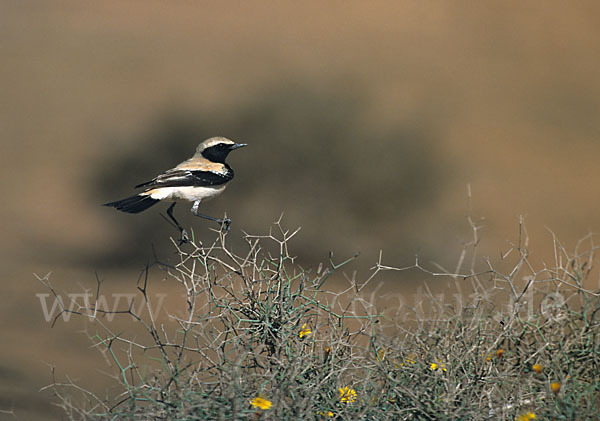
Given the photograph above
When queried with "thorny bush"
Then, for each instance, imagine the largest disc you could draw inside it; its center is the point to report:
(260, 337)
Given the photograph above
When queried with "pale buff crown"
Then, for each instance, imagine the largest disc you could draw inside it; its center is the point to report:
(212, 142)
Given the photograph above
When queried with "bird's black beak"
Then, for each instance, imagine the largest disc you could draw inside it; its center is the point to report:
(237, 145)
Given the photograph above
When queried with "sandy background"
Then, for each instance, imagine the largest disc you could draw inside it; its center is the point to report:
(366, 121)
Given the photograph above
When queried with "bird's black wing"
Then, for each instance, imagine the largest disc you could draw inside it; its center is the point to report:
(186, 178)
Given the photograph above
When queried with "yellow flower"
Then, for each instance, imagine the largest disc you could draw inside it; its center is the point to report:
(437, 366)
(261, 403)
(526, 416)
(327, 354)
(555, 387)
(537, 368)
(347, 394)
(305, 331)
(412, 359)
(380, 354)
(328, 414)
(499, 354)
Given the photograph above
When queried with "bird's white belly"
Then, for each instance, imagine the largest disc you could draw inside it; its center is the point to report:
(188, 193)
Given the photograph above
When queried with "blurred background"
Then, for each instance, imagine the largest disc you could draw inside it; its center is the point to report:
(365, 121)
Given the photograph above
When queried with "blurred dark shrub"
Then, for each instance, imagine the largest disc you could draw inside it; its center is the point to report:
(313, 154)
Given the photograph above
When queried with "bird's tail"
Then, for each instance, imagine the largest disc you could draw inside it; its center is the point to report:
(133, 204)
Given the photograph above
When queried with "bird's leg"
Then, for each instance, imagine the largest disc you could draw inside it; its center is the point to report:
(223, 222)
(184, 235)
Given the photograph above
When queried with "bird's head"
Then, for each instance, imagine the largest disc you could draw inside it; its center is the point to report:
(216, 149)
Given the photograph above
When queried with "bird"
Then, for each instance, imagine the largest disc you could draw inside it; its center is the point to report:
(202, 177)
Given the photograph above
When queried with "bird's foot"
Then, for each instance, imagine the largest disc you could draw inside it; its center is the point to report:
(184, 237)
(225, 223)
